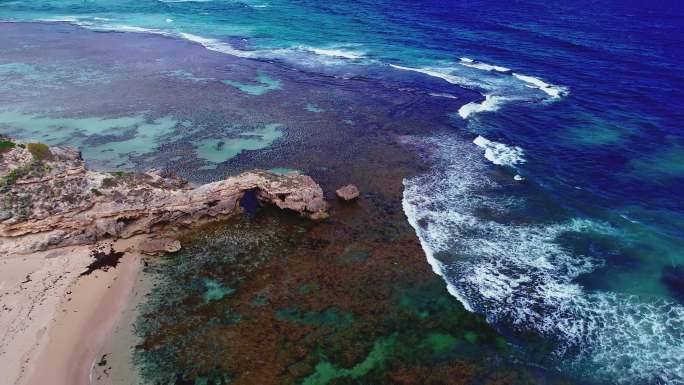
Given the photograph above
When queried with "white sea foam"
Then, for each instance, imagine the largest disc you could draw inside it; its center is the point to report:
(499, 153)
(216, 45)
(442, 95)
(437, 267)
(491, 103)
(211, 44)
(521, 277)
(208, 43)
(452, 76)
(552, 90)
(101, 24)
(126, 28)
(60, 19)
(497, 88)
(441, 73)
(498, 84)
(482, 66)
(334, 52)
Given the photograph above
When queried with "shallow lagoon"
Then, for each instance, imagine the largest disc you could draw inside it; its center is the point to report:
(218, 150)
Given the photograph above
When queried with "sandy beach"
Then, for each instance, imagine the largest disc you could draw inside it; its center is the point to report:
(56, 321)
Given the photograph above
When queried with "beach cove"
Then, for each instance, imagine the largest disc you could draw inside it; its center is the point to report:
(356, 291)
(519, 218)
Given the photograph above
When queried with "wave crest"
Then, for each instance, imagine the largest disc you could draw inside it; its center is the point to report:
(499, 153)
(523, 278)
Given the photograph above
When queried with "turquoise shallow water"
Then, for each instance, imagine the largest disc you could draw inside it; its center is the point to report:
(562, 215)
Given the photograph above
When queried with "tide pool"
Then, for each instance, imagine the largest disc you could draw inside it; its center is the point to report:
(107, 142)
(218, 150)
(262, 85)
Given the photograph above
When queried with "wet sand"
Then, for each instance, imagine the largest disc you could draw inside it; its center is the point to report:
(116, 364)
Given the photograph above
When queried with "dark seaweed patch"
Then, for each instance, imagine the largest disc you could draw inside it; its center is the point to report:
(104, 259)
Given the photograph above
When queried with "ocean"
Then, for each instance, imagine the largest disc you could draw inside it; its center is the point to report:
(552, 198)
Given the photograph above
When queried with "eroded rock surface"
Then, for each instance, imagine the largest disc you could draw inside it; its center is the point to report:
(348, 192)
(159, 246)
(52, 200)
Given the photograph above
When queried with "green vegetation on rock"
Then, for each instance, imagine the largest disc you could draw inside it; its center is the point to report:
(6, 146)
(10, 178)
(39, 151)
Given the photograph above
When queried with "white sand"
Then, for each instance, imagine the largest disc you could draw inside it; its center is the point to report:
(54, 323)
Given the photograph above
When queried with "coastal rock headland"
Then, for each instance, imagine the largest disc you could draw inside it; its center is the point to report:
(62, 226)
(51, 199)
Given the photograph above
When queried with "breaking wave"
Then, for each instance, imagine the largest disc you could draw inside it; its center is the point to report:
(499, 85)
(467, 62)
(523, 278)
(338, 52)
(552, 90)
(216, 45)
(491, 103)
(499, 153)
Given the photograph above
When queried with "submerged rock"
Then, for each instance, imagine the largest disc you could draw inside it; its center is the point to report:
(673, 278)
(348, 192)
(56, 201)
(159, 246)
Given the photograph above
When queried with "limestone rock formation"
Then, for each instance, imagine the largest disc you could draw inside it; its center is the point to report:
(348, 192)
(50, 199)
(159, 246)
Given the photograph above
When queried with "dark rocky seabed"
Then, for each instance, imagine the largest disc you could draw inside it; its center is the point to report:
(269, 298)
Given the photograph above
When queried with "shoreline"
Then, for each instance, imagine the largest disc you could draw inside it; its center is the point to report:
(57, 335)
(115, 365)
(72, 240)
(83, 323)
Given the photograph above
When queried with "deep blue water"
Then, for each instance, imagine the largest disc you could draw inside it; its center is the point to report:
(556, 208)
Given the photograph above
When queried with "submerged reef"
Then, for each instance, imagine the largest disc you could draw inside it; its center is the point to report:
(275, 299)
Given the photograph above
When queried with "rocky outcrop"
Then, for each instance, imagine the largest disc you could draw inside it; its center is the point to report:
(159, 246)
(348, 192)
(56, 201)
